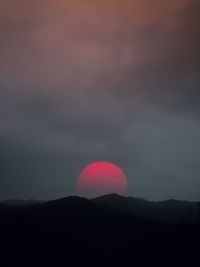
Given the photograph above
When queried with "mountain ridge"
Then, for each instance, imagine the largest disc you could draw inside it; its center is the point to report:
(167, 211)
(76, 231)
(170, 211)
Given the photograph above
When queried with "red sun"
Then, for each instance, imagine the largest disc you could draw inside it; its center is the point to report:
(101, 178)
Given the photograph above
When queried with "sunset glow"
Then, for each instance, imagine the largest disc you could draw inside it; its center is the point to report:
(101, 178)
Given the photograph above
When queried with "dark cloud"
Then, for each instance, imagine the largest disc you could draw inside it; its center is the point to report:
(99, 80)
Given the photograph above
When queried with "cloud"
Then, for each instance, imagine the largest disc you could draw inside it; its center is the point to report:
(99, 80)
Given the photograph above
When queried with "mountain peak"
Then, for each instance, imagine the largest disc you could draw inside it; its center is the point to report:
(110, 196)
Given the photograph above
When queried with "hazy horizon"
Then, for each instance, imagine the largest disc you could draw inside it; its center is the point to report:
(81, 196)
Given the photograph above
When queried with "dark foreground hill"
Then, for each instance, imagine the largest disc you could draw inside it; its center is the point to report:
(79, 232)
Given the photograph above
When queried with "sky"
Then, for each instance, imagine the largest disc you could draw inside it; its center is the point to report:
(99, 80)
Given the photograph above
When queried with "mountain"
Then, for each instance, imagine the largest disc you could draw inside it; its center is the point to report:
(6, 213)
(169, 211)
(20, 202)
(105, 231)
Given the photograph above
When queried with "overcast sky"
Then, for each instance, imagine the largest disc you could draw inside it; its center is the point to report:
(89, 80)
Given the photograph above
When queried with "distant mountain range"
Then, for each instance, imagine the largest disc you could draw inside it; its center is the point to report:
(169, 211)
(106, 231)
(20, 202)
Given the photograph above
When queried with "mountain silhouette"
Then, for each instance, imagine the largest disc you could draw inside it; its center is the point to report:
(169, 211)
(105, 231)
(20, 202)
